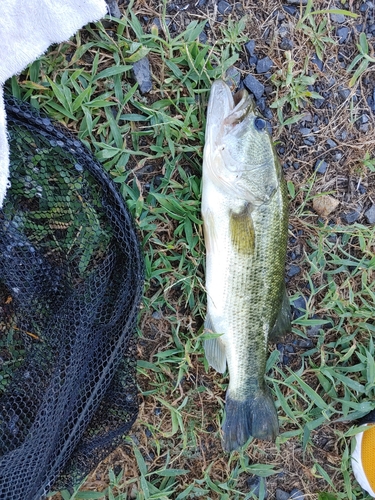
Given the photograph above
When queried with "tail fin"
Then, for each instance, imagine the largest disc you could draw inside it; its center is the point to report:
(255, 416)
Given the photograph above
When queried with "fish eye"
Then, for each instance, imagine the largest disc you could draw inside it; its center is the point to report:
(260, 124)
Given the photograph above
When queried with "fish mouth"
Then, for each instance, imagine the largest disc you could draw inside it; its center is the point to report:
(225, 110)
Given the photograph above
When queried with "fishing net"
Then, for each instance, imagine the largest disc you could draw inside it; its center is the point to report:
(71, 277)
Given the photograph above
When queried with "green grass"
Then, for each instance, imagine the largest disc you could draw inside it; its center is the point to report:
(152, 148)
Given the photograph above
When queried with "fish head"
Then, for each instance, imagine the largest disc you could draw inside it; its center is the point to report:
(239, 156)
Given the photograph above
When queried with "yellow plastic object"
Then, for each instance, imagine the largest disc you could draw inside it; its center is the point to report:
(363, 459)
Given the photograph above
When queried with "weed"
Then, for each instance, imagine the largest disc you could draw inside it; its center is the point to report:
(152, 146)
(363, 60)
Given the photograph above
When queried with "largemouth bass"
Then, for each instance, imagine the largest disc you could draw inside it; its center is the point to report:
(245, 214)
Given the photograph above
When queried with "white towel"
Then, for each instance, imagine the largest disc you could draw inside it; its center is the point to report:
(27, 29)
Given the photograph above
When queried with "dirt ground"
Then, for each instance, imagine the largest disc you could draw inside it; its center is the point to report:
(337, 131)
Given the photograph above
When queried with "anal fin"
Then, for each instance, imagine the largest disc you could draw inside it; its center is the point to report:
(283, 323)
(214, 349)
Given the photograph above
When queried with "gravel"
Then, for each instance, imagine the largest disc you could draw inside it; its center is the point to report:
(282, 495)
(293, 270)
(321, 166)
(254, 86)
(264, 65)
(250, 47)
(338, 18)
(142, 74)
(352, 216)
(342, 33)
(224, 7)
(286, 44)
(370, 215)
(296, 495)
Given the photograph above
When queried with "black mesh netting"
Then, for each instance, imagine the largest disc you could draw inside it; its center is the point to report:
(71, 277)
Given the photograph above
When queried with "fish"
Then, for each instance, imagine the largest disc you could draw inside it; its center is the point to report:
(245, 222)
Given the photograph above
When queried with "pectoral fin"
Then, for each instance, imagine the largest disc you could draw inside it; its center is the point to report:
(283, 321)
(210, 235)
(242, 232)
(214, 349)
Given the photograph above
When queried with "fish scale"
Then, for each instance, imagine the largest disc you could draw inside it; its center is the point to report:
(245, 213)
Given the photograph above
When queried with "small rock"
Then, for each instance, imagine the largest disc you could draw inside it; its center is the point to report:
(285, 350)
(203, 37)
(113, 9)
(157, 315)
(351, 217)
(315, 59)
(253, 483)
(313, 331)
(255, 87)
(224, 7)
(342, 33)
(299, 306)
(324, 205)
(297, 2)
(330, 143)
(281, 495)
(296, 495)
(289, 9)
(303, 343)
(142, 74)
(364, 118)
(321, 166)
(338, 18)
(293, 270)
(263, 65)
(305, 131)
(370, 215)
(286, 44)
(250, 47)
(232, 77)
(344, 93)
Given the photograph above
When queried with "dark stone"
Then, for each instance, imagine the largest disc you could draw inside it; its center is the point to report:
(344, 93)
(255, 87)
(293, 270)
(338, 18)
(370, 215)
(253, 60)
(351, 217)
(305, 130)
(224, 8)
(157, 411)
(281, 495)
(285, 350)
(304, 343)
(298, 307)
(362, 190)
(113, 9)
(264, 65)
(315, 59)
(286, 44)
(267, 113)
(142, 75)
(342, 33)
(330, 143)
(253, 483)
(297, 494)
(321, 166)
(289, 9)
(250, 47)
(203, 37)
(364, 118)
(232, 77)
(172, 7)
